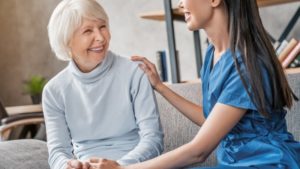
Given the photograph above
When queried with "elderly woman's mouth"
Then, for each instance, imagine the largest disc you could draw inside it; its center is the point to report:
(97, 49)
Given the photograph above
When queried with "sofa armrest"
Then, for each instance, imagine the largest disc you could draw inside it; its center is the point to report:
(5, 129)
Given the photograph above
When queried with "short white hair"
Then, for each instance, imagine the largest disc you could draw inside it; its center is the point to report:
(66, 18)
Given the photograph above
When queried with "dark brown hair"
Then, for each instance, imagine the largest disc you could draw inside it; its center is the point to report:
(248, 36)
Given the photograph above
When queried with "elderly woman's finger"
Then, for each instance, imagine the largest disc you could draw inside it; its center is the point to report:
(74, 164)
(105, 164)
(95, 166)
(85, 165)
(97, 160)
(100, 163)
(94, 160)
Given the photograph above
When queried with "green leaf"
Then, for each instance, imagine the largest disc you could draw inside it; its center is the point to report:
(34, 85)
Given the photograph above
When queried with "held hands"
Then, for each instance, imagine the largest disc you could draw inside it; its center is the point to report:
(150, 69)
(100, 163)
(76, 164)
(93, 163)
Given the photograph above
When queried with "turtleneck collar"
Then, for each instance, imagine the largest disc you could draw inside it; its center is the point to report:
(96, 73)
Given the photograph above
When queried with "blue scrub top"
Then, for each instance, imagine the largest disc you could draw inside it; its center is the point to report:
(255, 140)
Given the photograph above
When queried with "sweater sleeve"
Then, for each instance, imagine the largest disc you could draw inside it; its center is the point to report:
(58, 135)
(147, 119)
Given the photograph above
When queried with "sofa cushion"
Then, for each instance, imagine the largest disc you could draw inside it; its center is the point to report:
(25, 154)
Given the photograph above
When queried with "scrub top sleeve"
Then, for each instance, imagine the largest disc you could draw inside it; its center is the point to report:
(234, 93)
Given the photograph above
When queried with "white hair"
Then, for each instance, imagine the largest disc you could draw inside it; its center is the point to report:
(66, 18)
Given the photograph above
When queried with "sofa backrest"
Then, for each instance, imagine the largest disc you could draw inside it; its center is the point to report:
(179, 130)
(293, 115)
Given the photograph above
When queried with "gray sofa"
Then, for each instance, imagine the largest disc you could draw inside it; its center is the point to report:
(32, 154)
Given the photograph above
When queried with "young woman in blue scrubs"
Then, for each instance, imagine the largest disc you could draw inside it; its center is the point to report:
(244, 94)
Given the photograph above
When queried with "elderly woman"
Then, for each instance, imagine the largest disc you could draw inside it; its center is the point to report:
(101, 105)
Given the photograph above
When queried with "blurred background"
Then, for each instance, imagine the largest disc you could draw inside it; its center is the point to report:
(25, 50)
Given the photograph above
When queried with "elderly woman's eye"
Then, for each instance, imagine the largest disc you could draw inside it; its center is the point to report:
(87, 31)
(102, 26)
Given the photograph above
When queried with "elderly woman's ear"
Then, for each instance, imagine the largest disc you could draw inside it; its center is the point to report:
(70, 54)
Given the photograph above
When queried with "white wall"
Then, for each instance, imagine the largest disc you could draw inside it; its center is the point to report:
(24, 47)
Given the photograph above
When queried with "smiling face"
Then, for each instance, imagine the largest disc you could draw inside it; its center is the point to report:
(197, 13)
(89, 44)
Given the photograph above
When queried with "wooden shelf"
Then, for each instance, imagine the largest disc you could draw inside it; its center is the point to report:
(263, 3)
(160, 15)
(178, 14)
(292, 70)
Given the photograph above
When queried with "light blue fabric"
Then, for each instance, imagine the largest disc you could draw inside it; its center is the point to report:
(255, 141)
(110, 112)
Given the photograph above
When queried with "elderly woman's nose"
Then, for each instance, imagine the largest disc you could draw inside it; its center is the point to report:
(99, 37)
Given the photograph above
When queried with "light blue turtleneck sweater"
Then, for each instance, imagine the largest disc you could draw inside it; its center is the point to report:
(109, 112)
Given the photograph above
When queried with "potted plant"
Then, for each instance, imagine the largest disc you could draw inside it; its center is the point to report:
(34, 87)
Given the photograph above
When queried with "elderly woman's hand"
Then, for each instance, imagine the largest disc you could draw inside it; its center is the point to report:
(150, 69)
(76, 164)
(100, 163)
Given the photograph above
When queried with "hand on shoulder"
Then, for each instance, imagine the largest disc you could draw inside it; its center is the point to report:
(150, 69)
